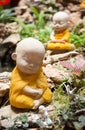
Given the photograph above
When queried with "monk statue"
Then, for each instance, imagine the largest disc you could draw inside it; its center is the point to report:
(60, 37)
(29, 88)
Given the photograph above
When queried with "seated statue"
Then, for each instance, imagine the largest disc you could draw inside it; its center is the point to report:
(60, 38)
(29, 88)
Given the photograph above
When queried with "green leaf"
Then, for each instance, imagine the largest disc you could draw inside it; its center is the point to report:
(35, 11)
(65, 116)
(82, 120)
(6, 15)
(77, 125)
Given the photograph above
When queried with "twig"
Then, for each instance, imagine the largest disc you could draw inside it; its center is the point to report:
(69, 92)
(80, 112)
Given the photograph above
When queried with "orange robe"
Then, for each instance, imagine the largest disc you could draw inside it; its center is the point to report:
(82, 5)
(65, 35)
(19, 80)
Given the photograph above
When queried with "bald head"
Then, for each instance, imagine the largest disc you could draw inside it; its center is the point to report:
(29, 55)
(30, 44)
(60, 15)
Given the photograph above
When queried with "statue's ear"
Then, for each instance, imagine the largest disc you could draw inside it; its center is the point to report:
(14, 55)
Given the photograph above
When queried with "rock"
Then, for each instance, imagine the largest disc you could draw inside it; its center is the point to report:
(72, 7)
(7, 29)
(55, 73)
(10, 116)
(51, 58)
(3, 89)
(6, 123)
(75, 17)
(22, 12)
(4, 83)
(13, 38)
(6, 49)
(7, 112)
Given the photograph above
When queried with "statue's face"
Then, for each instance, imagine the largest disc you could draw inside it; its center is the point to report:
(29, 55)
(60, 22)
(29, 62)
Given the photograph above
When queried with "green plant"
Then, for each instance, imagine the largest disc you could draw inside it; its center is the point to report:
(27, 30)
(20, 122)
(40, 18)
(39, 29)
(74, 115)
(69, 110)
(77, 38)
(6, 15)
(44, 34)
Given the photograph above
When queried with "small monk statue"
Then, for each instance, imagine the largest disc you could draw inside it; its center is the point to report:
(60, 37)
(29, 88)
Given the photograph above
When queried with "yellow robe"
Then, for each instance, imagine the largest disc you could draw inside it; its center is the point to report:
(65, 35)
(82, 5)
(19, 80)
